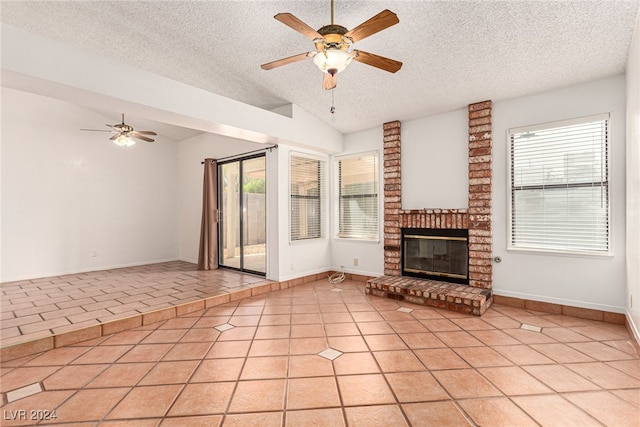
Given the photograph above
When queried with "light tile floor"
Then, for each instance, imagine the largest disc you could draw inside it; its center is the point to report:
(256, 362)
(33, 309)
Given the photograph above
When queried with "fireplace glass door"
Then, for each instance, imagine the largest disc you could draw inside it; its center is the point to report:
(436, 257)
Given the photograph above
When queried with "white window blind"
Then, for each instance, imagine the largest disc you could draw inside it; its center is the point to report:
(306, 190)
(357, 189)
(560, 186)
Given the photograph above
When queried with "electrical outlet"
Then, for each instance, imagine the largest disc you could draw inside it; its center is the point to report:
(94, 254)
(293, 266)
(355, 262)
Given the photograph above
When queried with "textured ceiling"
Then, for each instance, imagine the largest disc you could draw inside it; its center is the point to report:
(454, 52)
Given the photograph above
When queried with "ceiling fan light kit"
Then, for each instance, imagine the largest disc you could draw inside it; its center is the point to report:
(332, 43)
(124, 141)
(332, 61)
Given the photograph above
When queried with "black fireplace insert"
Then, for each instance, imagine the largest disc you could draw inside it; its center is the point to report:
(438, 254)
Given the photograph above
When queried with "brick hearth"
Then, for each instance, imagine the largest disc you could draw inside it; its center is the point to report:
(476, 218)
(449, 296)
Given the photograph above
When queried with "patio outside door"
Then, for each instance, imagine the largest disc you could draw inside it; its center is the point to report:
(242, 226)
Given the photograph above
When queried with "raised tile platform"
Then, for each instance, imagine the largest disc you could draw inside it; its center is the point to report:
(449, 296)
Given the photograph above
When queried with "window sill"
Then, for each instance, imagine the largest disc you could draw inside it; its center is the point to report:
(552, 252)
(356, 240)
(307, 241)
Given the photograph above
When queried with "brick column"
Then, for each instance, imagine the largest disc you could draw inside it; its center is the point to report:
(392, 198)
(480, 190)
(477, 218)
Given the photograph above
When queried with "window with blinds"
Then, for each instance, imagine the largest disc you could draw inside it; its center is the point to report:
(357, 190)
(306, 176)
(560, 186)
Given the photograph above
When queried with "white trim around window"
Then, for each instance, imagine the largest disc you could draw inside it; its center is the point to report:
(357, 200)
(558, 187)
(307, 198)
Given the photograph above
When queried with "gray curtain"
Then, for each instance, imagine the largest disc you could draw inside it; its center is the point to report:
(208, 254)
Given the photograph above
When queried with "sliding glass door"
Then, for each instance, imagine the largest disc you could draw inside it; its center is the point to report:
(242, 204)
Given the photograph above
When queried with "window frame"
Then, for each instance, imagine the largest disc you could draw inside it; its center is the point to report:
(608, 184)
(337, 201)
(322, 173)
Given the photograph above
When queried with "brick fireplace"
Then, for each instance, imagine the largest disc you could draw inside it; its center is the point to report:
(476, 219)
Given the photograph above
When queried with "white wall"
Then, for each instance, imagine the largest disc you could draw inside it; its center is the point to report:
(435, 163)
(192, 152)
(589, 282)
(33, 64)
(72, 200)
(434, 175)
(633, 183)
(300, 258)
(370, 255)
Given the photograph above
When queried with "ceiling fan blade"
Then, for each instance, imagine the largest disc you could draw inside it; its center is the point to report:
(386, 64)
(114, 137)
(135, 134)
(284, 61)
(145, 132)
(382, 20)
(330, 81)
(97, 130)
(296, 24)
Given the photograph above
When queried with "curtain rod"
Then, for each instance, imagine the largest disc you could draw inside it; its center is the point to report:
(244, 154)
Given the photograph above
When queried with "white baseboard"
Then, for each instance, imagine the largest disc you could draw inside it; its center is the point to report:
(632, 326)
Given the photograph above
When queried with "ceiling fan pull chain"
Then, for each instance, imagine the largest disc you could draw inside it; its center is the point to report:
(333, 107)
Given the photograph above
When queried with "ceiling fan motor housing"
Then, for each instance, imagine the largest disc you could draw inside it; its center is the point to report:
(123, 128)
(333, 38)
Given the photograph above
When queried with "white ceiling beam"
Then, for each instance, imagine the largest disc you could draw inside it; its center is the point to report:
(46, 67)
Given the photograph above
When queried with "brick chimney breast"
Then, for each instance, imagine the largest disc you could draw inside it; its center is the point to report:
(476, 218)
